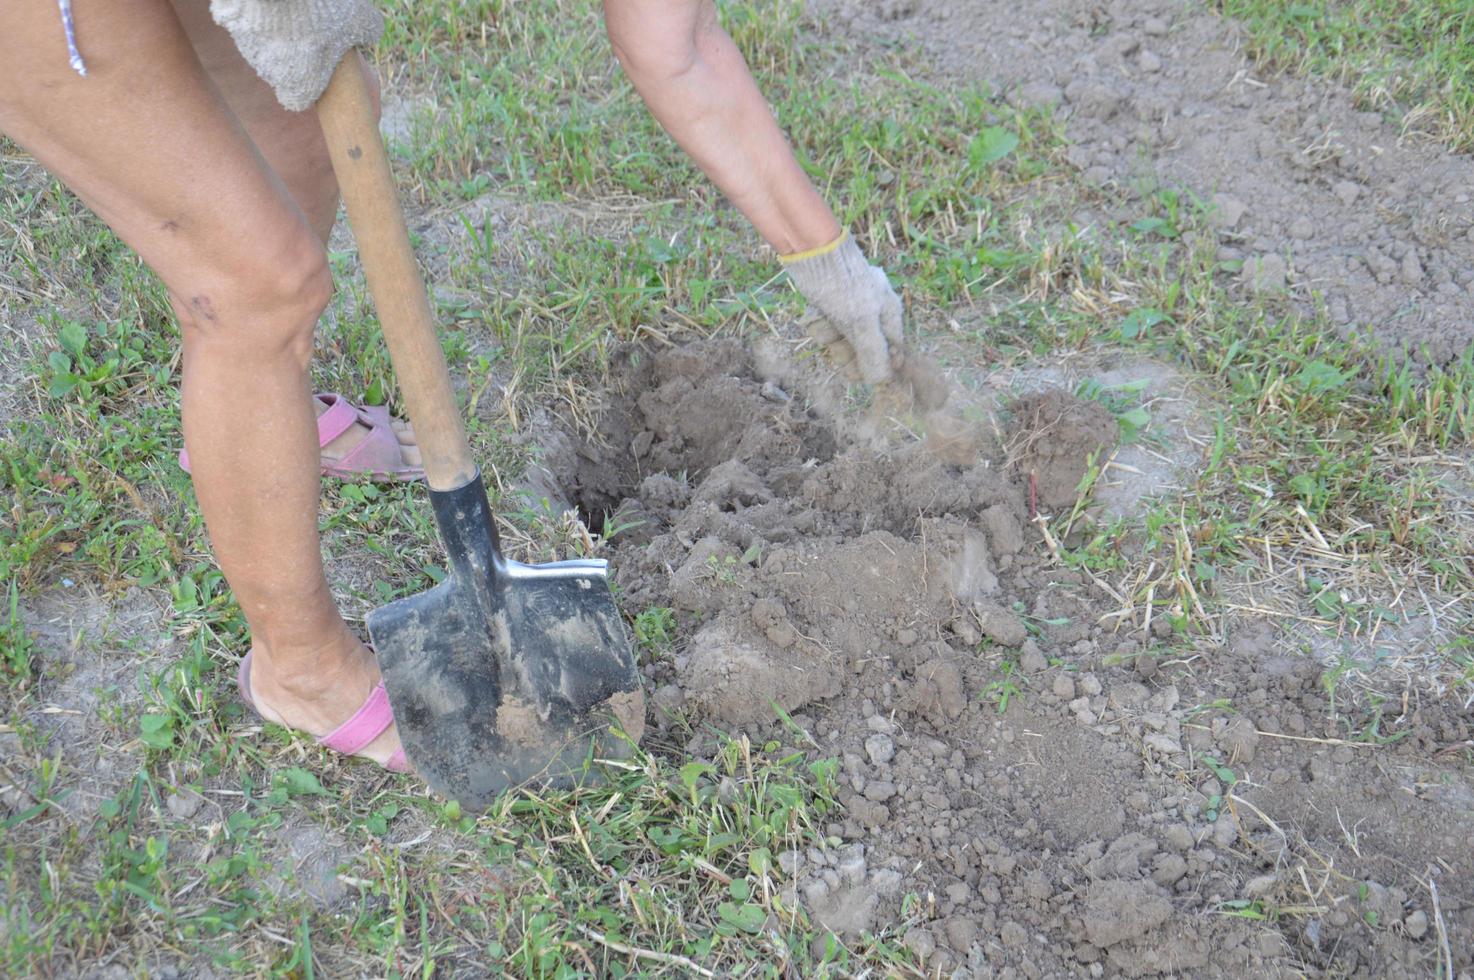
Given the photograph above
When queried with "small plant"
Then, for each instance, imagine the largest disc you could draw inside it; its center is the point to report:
(1139, 322)
(1244, 908)
(1122, 401)
(72, 367)
(1331, 679)
(15, 642)
(1371, 730)
(1218, 704)
(1035, 624)
(616, 524)
(722, 570)
(1004, 688)
(990, 145)
(655, 629)
(156, 731)
(1227, 777)
(1363, 896)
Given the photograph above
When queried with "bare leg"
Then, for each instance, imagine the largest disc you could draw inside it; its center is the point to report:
(148, 143)
(292, 144)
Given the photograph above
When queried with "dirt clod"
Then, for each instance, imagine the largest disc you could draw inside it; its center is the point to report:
(1116, 911)
(1000, 625)
(737, 679)
(1053, 439)
(517, 721)
(1239, 740)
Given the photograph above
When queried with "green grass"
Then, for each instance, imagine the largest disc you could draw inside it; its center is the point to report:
(1411, 57)
(556, 219)
(662, 860)
(1326, 456)
(669, 863)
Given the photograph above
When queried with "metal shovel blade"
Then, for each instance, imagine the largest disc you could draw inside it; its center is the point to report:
(505, 673)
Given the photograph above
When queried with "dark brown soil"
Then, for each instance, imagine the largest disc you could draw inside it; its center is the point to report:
(887, 599)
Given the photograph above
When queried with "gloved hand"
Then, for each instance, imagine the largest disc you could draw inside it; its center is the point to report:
(295, 44)
(857, 300)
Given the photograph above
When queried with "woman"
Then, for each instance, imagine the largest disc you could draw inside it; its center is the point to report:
(151, 115)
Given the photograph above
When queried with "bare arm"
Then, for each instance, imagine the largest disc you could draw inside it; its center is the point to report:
(697, 85)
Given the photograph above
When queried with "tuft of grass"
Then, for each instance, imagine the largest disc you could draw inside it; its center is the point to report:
(655, 630)
(1005, 687)
(16, 645)
(664, 869)
(1329, 454)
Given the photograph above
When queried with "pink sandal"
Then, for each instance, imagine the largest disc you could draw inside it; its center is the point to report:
(378, 455)
(349, 738)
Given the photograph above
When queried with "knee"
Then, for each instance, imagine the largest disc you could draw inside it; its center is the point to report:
(257, 302)
(643, 61)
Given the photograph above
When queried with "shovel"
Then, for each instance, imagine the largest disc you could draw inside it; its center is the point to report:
(503, 673)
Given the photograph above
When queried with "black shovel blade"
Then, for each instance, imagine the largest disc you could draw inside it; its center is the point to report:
(506, 674)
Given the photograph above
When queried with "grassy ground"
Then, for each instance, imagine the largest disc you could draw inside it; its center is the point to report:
(555, 220)
(1415, 57)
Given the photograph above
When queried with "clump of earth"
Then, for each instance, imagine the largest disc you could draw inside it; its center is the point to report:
(1060, 798)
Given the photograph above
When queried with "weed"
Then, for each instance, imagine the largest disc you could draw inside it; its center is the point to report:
(1034, 624)
(722, 569)
(614, 526)
(16, 645)
(1221, 704)
(655, 630)
(1227, 778)
(1005, 688)
(1122, 402)
(1244, 908)
(1369, 728)
(1331, 678)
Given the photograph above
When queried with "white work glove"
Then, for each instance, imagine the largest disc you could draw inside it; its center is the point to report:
(857, 300)
(295, 44)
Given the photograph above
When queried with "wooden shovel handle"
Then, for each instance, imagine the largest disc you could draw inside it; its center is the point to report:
(349, 123)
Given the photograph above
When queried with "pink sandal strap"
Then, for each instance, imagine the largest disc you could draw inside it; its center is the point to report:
(349, 738)
(379, 454)
(367, 724)
(338, 419)
(243, 681)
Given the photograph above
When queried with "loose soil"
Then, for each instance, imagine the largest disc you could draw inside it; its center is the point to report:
(1139, 805)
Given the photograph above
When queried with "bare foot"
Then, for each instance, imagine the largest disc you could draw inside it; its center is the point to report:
(318, 691)
(345, 443)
